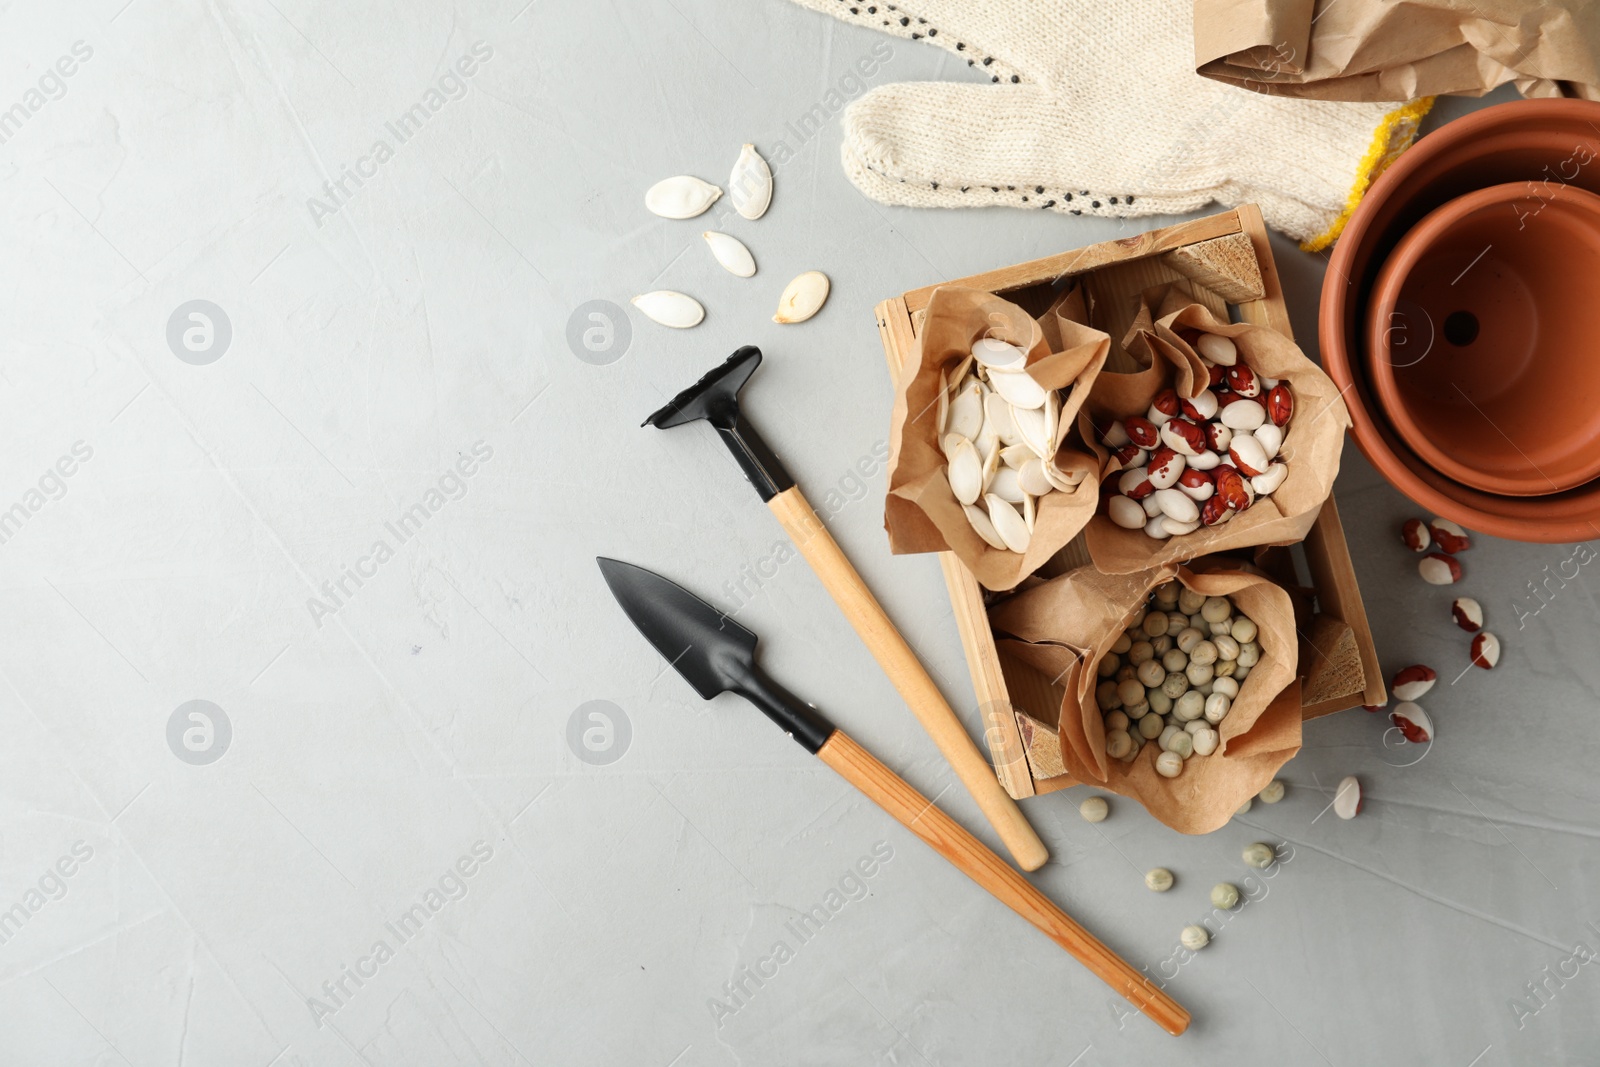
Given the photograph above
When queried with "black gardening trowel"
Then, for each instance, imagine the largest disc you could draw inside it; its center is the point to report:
(717, 655)
(715, 398)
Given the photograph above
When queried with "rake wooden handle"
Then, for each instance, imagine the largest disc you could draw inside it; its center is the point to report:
(910, 678)
(947, 837)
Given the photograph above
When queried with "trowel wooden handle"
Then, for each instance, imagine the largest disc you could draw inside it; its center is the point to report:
(947, 837)
(909, 676)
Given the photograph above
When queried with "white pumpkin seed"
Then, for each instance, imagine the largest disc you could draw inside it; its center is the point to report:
(965, 472)
(1003, 484)
(948, 443)
(980, 522)
(731, 253)
(1057, 478)
(990, 456)
(750, 184)
(1032, 478)
(1052, 417)
(998, 354)
(1031, 428)
(959, 374)
(682, 197)
(670, 308)
(988, 443)
(966, 412)
(1012, 527)
(1017, 455)
(802, 298)
(1030, 511)
(942, 419)
(999, 416)
(1019, 388)
(1066, 481)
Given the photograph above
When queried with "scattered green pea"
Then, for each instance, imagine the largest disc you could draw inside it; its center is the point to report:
(1259, 855)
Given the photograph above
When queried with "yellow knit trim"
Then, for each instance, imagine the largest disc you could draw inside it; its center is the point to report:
(1393, 136)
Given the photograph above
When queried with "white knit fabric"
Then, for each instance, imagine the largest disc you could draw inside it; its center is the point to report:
(1095, 109)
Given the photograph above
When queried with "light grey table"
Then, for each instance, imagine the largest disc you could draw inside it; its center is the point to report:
(352, 507)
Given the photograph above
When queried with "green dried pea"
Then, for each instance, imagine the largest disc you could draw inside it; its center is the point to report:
(1119, 744)
(1189, 705)
(1259, 855)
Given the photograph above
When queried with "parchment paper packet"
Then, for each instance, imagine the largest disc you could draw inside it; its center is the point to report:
(1311, 448)
(921, 513)
(1085, 609)
(1381, 50)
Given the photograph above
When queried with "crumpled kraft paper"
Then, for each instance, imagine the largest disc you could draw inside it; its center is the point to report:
(1399, 49)
(1311, 448)
(921, 513)
(1075, 618)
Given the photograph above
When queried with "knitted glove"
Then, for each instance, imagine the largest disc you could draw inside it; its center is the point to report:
(1096, 109)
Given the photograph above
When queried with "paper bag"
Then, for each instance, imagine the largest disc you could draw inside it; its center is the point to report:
(1311, 448)
(921, 513)
(1382, 50)
(1084, 611)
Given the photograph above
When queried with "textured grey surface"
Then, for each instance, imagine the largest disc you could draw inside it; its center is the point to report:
(422, 720)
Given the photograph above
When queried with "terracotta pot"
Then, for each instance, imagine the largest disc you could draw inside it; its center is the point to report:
(1545, 142)
(1479, 333)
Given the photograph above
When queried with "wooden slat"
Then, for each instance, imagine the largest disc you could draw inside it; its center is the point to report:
(894, 328)
(988, 680)
(1043, 745)
(1225, 265)
(1051, 785)
(1270, 310)
(1036, 696)
(1330, 663)
(1339, 594)
(1054, 268)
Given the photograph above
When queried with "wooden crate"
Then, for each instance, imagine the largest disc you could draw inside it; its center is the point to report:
(1227, 262)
